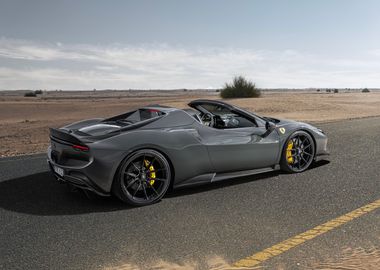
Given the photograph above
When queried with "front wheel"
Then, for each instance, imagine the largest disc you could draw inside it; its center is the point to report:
(298, 152)
(143, 178)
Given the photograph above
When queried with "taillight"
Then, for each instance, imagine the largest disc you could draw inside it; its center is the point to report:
(80, 147)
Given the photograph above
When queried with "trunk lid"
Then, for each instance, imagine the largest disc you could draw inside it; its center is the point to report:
(67, 149)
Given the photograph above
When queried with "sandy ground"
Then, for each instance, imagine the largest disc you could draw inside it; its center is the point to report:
(24, 121)
(348, 259)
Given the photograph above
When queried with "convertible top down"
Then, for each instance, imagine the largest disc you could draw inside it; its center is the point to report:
(138, 155)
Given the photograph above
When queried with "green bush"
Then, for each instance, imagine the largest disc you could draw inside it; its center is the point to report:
(30, 94)
(240, 88)
(365, 90)
(38, 92)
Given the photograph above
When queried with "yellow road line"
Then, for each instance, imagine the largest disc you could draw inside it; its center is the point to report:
(290, 243)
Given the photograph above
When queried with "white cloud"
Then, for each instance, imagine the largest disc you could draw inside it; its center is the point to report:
(57, 65)
(107, 68)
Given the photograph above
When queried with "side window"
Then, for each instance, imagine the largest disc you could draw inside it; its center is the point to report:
(238, 121)
(224, 118)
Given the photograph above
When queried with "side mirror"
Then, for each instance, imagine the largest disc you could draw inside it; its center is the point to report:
(269, 127)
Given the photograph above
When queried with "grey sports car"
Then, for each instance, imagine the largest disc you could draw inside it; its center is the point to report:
(137, 156)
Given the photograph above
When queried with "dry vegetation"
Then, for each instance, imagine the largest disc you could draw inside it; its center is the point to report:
(24, 121)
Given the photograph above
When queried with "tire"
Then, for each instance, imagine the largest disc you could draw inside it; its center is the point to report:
(143, 178)
(298, 152)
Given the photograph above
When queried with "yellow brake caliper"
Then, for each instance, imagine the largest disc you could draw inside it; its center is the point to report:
(152, 174)
(289, 148)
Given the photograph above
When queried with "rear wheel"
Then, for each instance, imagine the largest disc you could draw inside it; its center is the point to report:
(143, 178)
(298, 152)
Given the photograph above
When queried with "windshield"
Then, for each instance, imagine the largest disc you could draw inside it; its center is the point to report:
(225, 118)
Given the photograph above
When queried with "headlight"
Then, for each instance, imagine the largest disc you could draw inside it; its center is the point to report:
(320, 130)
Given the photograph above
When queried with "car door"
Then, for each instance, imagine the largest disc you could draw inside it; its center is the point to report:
(239, 148)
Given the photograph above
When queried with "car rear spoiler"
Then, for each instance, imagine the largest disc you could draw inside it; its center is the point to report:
(64, 136)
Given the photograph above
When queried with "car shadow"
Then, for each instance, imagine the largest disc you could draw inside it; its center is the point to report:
(40, 194)
(182, 191)
(318, 164)
(234, 181)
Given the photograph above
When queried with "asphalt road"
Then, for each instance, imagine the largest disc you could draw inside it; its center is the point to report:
(44, 226)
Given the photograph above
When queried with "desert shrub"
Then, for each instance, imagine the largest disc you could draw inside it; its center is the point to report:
(336, 91)
(365, 90)
(30, 94)
(38, 92)
(240, 88)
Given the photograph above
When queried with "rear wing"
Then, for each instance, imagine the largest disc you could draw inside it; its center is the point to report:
(64, 136)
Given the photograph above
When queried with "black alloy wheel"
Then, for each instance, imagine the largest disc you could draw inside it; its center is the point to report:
(298, 152)
(143, 178)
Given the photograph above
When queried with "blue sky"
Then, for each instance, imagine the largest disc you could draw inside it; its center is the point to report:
(188, 44)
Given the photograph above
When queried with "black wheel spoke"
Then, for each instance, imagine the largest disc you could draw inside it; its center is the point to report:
(155, 191)
(134, 165)
(151, 162)
(131, 183)
(143, 162)
(304, 159)
(131, 174)
(302, 142)
(306, 146)
(138, 188)
(308, 154)
(295, 161)
(159, 179)
(144, 189)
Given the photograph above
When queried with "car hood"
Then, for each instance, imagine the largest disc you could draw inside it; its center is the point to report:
(285, 127)
(287, 122)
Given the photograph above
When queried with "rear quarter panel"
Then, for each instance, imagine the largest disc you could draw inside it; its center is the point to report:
(186, 154)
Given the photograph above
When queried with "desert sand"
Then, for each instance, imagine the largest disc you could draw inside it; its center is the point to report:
(24, 121)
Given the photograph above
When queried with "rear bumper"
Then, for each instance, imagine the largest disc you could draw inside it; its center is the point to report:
(75, 176)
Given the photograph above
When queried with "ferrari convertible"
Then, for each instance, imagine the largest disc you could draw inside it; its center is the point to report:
(138, 155)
